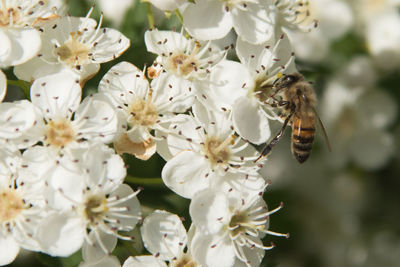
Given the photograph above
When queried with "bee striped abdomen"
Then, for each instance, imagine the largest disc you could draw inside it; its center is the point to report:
(303, 131)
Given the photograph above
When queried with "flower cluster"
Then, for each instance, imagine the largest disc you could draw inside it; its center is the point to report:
(62, 174)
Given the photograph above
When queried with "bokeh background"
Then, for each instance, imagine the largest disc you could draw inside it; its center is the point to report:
(342, 208)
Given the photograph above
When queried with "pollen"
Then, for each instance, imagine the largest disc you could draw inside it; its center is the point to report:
(184, 261)
(182, 64)
(9, 17)
(263, 90)
(11, 205)
(218, 151)
(59, 133)
(142, 112)
(73, 52)
(95, 208)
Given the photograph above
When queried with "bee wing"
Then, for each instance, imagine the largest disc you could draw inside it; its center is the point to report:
(323, 130)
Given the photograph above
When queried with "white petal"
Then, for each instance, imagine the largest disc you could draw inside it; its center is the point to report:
(56, 99)
(18, 122)
(230, 80)
(240, 182)
(173, 89)
(94, 253)
(165, 42)
(124, 81)
(87, 71)
(22, 50)
(166, 5)
(334, 17)
(253, 24)
(64, 185)
(218, 22)
(377, 109)
(253, 255)
(5, 47)
(115, 10)
(9, 249)
(209, 211)
(311, 46)
(3, 85)
(185, 173)
(111, 45)
(97, 120)
(144, 261)
(372, 149)
(163, 232)
(217, 123)
(162, 146)
(104, 167)
(250, 121)
(36, 68)
(383, 38)
(61, 235)
(266, 56)
(108, 261)
(213, 250)
(188, 126)
(132, 205)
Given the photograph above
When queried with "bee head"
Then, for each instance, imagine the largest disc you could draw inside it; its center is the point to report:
(288, 80)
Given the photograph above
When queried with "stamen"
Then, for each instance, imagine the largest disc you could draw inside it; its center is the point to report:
(224, 144)
(276, 233)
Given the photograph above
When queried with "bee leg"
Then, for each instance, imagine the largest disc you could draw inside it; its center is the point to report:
(267, 149)
(278, 103)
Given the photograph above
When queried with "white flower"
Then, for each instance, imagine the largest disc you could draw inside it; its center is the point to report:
(75, 44)
(290, 14)
(231, 225)
(358, 118)
(141, 108)
(3, 85)
(207, 154)
(165, 237)
(115, 10)
(335, 18)
(383, 39)
(94, 255)
(187, 61)
(144, 261)
(65, 122)
(88, 196)
(21, 211)
(19, 41)
(246, 87)
(249, 18)
(166, 5)
(18, 120)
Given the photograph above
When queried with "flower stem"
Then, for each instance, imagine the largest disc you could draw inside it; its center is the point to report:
(179, 15)
(143, 181)
(150, 16)
(25, 86)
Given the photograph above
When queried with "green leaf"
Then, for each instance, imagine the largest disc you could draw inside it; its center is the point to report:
(25, 86)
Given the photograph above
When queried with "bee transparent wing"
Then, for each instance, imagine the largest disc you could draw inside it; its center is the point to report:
(323, 130)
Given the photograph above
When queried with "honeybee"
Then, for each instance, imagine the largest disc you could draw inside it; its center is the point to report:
(299, 102)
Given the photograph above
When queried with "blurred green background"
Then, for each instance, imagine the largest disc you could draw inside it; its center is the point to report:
(343, 214)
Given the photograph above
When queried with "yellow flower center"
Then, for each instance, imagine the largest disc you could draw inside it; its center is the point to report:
(11, 205)
(217, 151)
(143, 112)
(59, 133)
(9, 17)
(184, 261)
(95, 208)
(73, 52)
(182, 64)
